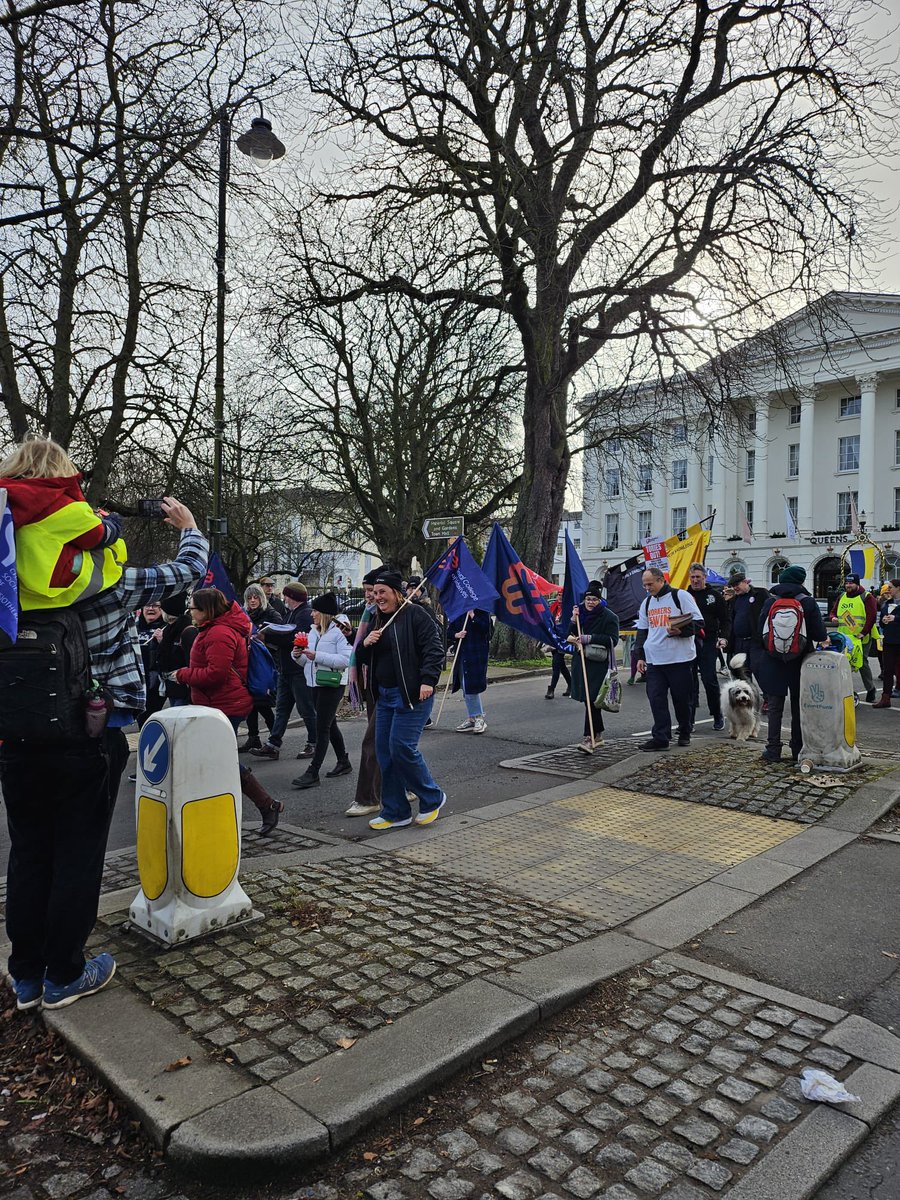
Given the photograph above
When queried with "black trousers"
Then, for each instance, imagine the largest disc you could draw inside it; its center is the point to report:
(59, 804)
(268, 715)
(705, 666)
(776, 715)
(560, 667)
(326, 700)
(368, 778)
(675, 679)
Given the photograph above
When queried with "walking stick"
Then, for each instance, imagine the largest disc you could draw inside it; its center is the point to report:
(452, 669)
(587, 690)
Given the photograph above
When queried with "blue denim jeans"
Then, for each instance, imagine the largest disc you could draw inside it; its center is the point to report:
(397, 733)
(474, 706)
(293, 689)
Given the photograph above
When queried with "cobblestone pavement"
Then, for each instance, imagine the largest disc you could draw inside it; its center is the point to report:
(334, 958)
(660, 1084)
(571, 763)
(731, 776)
(608, 854)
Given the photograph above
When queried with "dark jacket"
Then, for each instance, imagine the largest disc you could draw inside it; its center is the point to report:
(281, 644)
(716, 614)
(745, 619)
(774, 676)
(603, 627)
(472, 657)
(218, 672)
(175, 652)
(417, 649)
(891, 631)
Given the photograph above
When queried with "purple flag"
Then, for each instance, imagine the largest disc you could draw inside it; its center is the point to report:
(460, 582)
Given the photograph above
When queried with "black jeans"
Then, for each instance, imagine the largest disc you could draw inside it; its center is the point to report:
(326, 700)
(292, 689)
(368, 779)
(560, 667)
(705, 666)
(776, 713)
(59, 804)
(677, 679)
(265, 710)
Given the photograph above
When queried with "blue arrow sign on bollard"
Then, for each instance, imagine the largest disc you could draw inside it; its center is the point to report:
(153, 752)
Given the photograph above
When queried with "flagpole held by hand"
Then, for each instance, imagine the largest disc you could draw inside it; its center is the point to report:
(587, 690)
(452, 669)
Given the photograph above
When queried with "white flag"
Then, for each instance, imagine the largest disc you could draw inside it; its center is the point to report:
(789, 522)
(746, 531)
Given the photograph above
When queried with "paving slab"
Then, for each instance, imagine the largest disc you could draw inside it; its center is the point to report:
(864, 1039)
(814, 845)
(689, 914)
(878, 1091)
(391, 1065)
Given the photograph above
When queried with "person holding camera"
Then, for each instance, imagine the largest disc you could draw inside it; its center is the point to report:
(667, 627)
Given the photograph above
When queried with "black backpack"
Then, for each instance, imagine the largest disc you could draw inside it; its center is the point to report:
(44, 676)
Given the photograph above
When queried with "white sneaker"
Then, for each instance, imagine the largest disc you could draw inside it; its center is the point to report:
(467, 726)
(480, 725)
(362, 810)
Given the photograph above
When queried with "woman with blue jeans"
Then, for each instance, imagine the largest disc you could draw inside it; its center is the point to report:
(473, 632)
(405, 655)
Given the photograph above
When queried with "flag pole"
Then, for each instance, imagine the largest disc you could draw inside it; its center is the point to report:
(459, 643)
(587, 690)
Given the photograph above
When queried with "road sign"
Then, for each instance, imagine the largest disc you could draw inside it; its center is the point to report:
(153, 752)
(440, 529)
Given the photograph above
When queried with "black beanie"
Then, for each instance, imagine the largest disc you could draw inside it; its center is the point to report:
(594, 588)
(371, 576)
(326, 603)
(175, 606)
(391, 579)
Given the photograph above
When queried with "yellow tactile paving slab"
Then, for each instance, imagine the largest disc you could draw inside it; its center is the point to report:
(607, 854)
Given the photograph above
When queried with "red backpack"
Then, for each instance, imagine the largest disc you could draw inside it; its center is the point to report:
(784, 633)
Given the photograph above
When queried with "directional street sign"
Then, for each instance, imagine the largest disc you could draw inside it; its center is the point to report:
(439, 529)
(153, 752)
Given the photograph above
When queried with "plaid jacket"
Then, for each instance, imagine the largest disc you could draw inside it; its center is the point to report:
(109, 619)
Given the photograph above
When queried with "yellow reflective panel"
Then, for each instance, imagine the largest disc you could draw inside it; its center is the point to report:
(849, 721)
(153, 867)
(209, 844)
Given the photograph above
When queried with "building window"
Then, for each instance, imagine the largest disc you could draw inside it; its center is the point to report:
(748, 509)
(613, 445)
(680, 433)
(794, 414)
(848, 453)
(793, 460)
(679, 475)
(644, 524)
(559, 549)
(897, 447)
(843, 508)
(612, 483)
(897, 506)
(612, 531)
(897, 398)
(751, 422)
(750, 473)
(851, 406)
(679, 521)
(710, 468)
(792, 507)
(645, 479)
(576, 542)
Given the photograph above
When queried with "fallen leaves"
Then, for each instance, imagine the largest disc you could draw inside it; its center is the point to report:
(179, 1064)
(346, 1042)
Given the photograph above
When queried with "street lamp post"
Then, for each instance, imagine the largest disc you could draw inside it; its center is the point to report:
(258, 143)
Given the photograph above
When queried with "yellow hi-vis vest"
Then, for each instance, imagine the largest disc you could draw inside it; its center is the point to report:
(38, 547)
(851, 617)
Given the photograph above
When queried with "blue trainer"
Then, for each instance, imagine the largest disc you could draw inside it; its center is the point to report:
(96, 975)
(28, 993)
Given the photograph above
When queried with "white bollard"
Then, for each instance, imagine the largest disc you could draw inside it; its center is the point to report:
(188, 809)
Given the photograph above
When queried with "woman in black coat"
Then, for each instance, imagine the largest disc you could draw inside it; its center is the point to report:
(473, 633)
(599, 627)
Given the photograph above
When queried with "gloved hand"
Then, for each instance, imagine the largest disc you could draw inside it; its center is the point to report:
(585, 639)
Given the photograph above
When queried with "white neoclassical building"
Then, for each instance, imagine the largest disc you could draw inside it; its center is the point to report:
(819, 424)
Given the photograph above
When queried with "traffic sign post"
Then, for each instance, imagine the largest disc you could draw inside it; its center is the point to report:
(188, 809)
(441, 529)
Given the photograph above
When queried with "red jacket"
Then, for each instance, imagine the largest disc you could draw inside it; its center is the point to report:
(218, 671)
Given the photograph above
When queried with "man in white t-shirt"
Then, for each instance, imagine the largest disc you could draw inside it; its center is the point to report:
(666, 649)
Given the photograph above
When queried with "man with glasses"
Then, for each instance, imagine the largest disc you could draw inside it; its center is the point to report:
(667, 626)
(268, 586)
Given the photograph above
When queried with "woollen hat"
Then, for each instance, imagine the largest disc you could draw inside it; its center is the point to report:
(326, 603)
(174, 606)
(296, 591)
(371, 576)
(391, 579)
(594, 588)
(851, 578)
(793, 574)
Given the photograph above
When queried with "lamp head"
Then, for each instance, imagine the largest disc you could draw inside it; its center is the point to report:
(259, 142)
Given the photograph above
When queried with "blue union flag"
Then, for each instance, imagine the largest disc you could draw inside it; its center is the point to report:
(9, 580)
(520, 603)
(460, 582)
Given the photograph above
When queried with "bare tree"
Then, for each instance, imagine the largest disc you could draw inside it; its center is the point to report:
(404, 410)
(647, 181)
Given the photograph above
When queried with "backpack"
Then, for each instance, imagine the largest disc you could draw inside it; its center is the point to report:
(262, 677)
(784, 633)
(44, 677)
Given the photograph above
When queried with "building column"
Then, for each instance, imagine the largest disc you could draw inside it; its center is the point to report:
(867, 385)
(695, 484)
(660, 499)
(806, 478)
(626, 523)
(720, 471)
(761, 475)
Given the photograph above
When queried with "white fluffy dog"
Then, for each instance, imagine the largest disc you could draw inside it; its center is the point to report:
(741, 701)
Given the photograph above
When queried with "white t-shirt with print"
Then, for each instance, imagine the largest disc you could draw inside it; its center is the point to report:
(660, 649)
